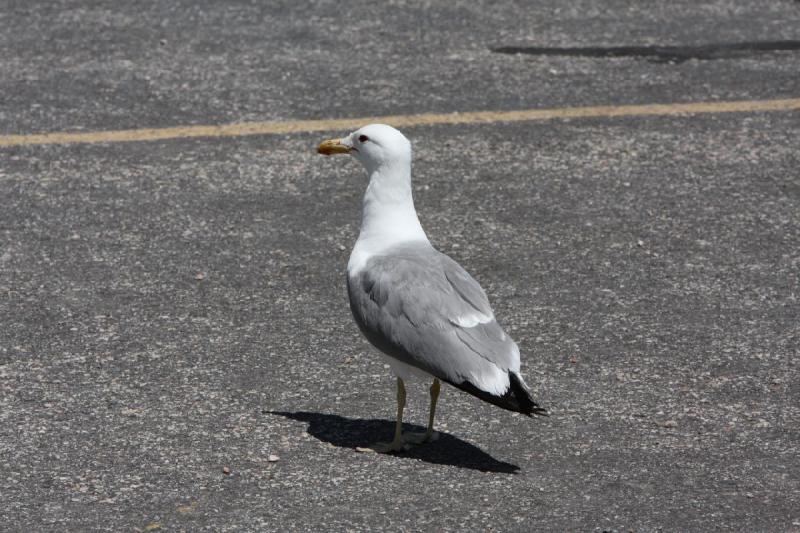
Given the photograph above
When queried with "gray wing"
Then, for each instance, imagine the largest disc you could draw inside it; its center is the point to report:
(421, 307)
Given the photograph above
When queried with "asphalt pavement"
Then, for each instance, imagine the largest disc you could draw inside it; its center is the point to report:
(176, 348)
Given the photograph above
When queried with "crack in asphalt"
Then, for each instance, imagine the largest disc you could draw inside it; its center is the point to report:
(661, 54)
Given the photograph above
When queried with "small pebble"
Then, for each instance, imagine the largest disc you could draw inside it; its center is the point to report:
(669, 424)
(273, 458)
(226, 470)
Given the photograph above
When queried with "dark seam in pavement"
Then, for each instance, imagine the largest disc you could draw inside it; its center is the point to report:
(660, 54)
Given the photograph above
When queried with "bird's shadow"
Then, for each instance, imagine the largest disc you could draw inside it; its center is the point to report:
(353, 432)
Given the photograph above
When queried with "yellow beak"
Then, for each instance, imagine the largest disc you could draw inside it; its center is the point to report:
(332, 146)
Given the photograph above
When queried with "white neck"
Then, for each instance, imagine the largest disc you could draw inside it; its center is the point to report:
(388, 216)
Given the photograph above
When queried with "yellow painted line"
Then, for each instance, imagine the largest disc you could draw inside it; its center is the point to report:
(425, 119)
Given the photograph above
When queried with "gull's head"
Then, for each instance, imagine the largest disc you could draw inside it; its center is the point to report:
(376, 146)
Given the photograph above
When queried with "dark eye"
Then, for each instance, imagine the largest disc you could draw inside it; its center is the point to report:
(363, 138)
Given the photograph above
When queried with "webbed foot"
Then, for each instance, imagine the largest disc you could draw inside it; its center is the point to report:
(396, 446)
(421, 438)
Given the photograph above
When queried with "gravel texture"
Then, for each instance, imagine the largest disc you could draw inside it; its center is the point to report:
(176, 350)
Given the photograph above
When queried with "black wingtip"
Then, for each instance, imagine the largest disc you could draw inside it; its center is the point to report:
(522, 397)
(516, 398)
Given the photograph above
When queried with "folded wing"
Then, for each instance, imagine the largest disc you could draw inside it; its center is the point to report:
(421, 307)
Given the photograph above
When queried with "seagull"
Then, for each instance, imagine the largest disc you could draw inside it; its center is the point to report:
(416, 305)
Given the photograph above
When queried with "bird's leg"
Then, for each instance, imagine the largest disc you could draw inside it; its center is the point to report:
(435, 388)
(430, 434)
(398, 444)
(401, 404)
